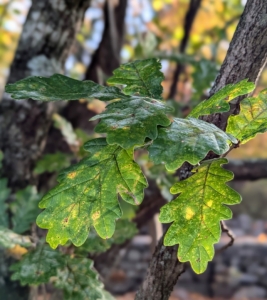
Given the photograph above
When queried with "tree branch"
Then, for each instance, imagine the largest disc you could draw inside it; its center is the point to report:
(245, 58)
(248, 169)
(189, 20)
(229, 234)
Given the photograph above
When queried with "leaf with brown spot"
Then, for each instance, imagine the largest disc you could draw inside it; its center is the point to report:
(90, 198)
(251, 120)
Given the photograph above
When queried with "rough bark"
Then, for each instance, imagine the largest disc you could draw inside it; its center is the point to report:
(107, 56)
(189, 20)
(245, 58)
(47, 35)
(248, 169)
(163, 273)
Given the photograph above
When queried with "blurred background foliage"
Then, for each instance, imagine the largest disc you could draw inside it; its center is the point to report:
(153, 28)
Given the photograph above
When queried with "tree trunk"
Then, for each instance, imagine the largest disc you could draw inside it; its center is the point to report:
(47, 35)
(193, 8)
(163, 273)
(248, 169)
(104, 61)
(107, 56)
(245, 58)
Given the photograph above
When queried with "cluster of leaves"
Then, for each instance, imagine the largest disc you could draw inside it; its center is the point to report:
(87, 193)
(73, 275)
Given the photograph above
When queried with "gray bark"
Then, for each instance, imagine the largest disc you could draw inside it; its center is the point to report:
(47, 35)
(104, 61)
(245, 58)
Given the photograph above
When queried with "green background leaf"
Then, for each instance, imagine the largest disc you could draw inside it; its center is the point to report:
(128, 122)
(59, 87)
(251, 120)
(9, 239)
(125, 230)
(87, 194)
(219, 101)
(52, 163)
(188, 140)
(25, 209)
(37, 266)
(141, 77)
(196, 213)
(79, 282)
(4, 194)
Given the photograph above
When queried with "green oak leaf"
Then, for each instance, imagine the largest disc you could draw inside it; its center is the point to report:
(87, 194)
(125, 230)
(24, 209)
(128, 122)
(196, 213)
(59, 87)
(141, 77)
(79, 281)
(4, 194)
(37, 266)
(1, 158)
(251, 120)
(9, 239)
(188, 140)
(219, 102)
(51, 163)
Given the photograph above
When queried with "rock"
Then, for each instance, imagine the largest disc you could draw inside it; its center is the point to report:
(181, 294)
(238, 232)
(254, 292)
(220, 268)
(245, 223)
(257, 270)
(134, 255)
(247, 278)
(258, 227)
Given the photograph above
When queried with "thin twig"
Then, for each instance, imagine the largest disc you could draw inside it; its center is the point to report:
(233, 146)
(229, 234)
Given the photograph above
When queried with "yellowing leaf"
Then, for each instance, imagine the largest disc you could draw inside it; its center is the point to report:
(17, 251)
(87, 194)
(196, 213)
(251, 120)
(219, 102)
